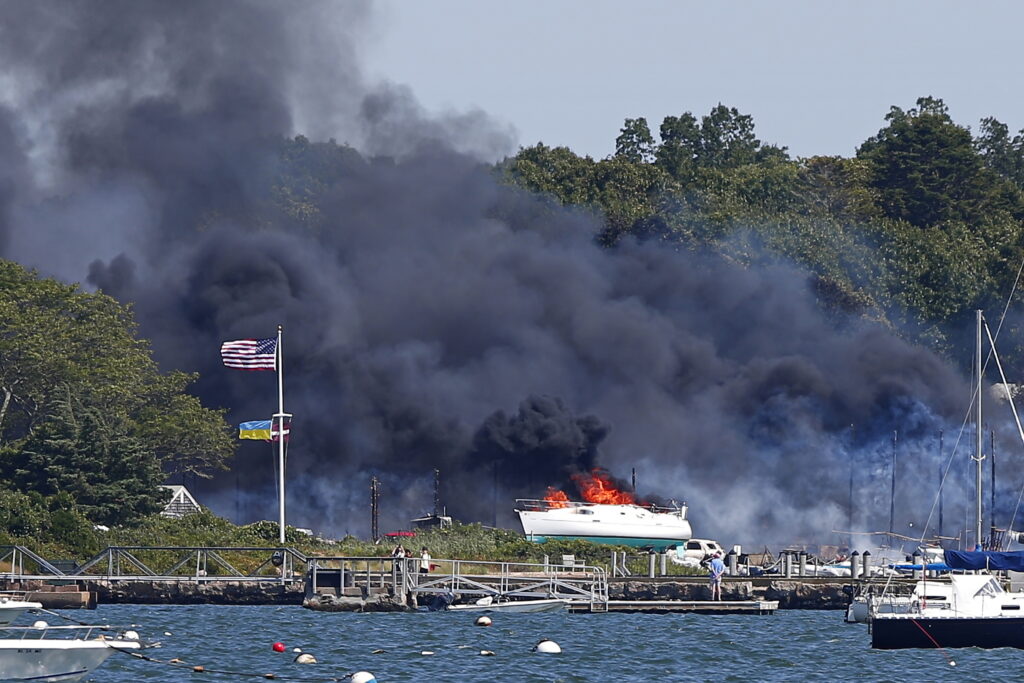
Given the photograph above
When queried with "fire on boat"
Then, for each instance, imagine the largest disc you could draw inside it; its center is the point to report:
(607, 514)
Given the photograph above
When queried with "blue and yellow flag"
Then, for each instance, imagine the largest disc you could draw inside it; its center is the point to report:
(259, 429)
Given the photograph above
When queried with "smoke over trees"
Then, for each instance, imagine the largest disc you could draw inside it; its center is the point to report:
(183, 158)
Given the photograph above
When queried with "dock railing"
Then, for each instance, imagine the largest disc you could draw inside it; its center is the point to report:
(577, 583)
(162, 563)
(500, 580)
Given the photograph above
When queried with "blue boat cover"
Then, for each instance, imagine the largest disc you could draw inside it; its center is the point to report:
(931, 566)
(985, 559)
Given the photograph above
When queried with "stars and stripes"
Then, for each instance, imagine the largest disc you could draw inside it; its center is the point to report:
(250, 354)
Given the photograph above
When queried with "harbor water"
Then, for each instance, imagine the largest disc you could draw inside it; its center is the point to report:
(793, 645)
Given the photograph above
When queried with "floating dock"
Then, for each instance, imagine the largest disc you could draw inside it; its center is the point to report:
(674, 606)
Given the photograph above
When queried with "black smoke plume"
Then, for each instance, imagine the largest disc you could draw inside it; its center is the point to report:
(432, 316)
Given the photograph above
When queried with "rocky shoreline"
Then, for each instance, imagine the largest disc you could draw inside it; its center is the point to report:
(790, 593)
(814, 594)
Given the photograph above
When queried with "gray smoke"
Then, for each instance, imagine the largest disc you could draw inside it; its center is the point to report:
(433, 317)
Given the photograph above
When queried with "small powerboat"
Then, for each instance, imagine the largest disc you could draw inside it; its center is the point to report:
(11, 608)
(58, 654)
(488, 604)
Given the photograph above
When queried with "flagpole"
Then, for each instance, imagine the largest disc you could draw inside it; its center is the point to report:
(280, 436)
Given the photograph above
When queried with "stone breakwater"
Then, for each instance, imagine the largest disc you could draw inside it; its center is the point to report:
(790, 594)
(184, 592)
(381, 602)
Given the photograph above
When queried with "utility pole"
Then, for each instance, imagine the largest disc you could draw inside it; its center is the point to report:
(374, 507)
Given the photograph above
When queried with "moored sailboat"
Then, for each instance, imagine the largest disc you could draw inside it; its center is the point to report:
(964, 610)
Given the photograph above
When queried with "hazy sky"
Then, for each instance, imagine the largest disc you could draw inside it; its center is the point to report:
(818, 77)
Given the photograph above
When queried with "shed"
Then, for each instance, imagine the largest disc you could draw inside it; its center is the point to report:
(181, 503)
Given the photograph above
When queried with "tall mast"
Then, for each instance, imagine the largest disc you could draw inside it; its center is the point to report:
(979, 436)
(280, 436)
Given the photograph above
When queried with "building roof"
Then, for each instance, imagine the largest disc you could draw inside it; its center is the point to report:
(181, 503)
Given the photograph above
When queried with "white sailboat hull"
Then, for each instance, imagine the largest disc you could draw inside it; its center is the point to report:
(615, 524)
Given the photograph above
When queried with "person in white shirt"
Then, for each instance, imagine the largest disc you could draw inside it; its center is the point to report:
(424, 562)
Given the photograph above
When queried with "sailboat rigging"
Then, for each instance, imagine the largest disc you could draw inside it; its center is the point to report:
(967, 610)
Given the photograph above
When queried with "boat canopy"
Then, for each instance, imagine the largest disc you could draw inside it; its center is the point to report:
(985, 559)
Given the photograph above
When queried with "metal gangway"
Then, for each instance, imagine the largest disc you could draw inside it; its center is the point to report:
(163, 563)
(580, 584)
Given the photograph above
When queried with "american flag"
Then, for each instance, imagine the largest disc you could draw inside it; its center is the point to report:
(250, 354)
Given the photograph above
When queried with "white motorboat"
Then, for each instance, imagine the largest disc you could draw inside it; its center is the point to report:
(52, 654)
(11, 608)
(639, 526)
(488, 604)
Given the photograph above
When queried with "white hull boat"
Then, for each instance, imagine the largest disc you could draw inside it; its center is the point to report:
(487, 605)
(11, 609)
(964, 610)
(639, 526)
(52, 654)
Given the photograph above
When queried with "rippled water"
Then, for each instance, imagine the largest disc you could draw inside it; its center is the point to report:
(786, 646)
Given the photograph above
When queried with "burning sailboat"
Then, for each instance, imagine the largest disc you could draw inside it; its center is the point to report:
(605, 515)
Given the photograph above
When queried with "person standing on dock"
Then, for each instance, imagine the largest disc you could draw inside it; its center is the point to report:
(715, 572)
(424, 562)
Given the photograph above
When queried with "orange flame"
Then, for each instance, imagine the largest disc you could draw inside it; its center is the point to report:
(597, 487)
(557, 498)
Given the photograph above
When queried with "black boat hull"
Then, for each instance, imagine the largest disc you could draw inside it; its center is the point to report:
(931, 632)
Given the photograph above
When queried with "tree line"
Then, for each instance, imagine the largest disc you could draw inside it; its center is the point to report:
(89, 427)
(919, 228)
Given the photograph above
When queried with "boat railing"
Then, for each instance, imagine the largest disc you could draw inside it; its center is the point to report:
(69, 632)
(540, 505)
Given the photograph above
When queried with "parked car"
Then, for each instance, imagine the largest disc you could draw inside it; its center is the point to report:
(699, 549)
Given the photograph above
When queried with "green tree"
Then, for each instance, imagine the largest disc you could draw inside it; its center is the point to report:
(1000, 152)
(727, 139)
(187, 437)
(89, 451)
(927, 171)
(554, 171)
(635, 143)
(84, 408)
(680, 147)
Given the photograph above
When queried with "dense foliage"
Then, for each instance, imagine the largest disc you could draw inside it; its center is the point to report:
(922, 226)
(86, 418)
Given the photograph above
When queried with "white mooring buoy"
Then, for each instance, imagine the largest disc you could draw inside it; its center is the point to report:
(548, 647)
(363, 677)
(483, 621)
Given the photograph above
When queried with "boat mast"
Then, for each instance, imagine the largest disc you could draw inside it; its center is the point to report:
(978, 457)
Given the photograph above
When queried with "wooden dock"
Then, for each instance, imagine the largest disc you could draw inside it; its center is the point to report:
(680, 606)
